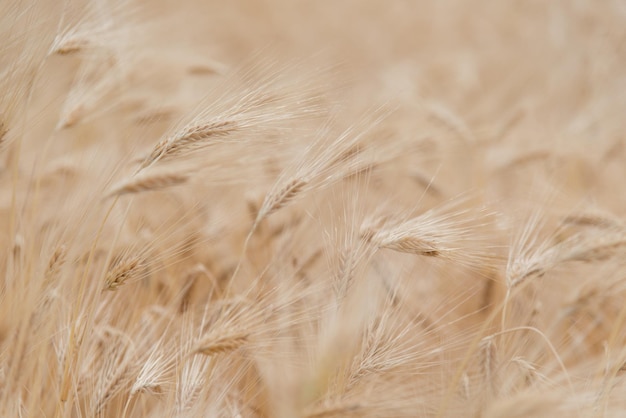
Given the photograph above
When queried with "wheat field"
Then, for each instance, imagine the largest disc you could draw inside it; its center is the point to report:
(315, 209)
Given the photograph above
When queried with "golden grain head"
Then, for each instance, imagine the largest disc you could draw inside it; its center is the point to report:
(121, 272)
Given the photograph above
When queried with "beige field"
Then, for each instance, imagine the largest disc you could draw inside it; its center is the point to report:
(298, 208)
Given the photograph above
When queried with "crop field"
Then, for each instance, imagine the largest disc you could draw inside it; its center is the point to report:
(313, 209)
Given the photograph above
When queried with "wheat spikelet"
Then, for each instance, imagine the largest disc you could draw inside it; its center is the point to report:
(528, 158)
(206, 68)
(189, 139)
(580, 247)
(220, 344)
(349, 260)
(260, 107)
(596, 248)
(56, 261)
(441, 232)
(3, 133)
(346, 156)
(324, 162)
(70, 45)
(96, 27)
(452, 121)
(115, 366)
(465, 386)
(17, 249)
(529, 257)
(599, 220)
(343, 281)
(71, 116)
(489, 365)
(152, 116)
(121, 272)
(196, 370)
(408, 244)
(149, 182)
(190, 282)
(151, 376)
(113, 386)
(519, 273)
(531, 374)
(99, 75)
(276, 200)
